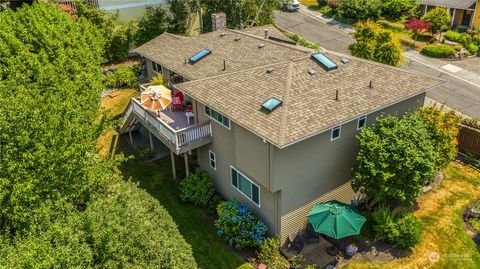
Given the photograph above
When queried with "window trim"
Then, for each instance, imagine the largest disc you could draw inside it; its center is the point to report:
(251, 181)
(221, 123)
(339, 127)
(358, 122)
(214, 160)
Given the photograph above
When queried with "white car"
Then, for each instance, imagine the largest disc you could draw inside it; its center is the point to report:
(291, 5)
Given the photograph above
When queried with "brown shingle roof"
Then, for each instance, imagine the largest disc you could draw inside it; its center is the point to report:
(172, 51)
(309, 105)
(460, 4)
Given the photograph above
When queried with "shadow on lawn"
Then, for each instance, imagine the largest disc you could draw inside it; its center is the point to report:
(196, 226)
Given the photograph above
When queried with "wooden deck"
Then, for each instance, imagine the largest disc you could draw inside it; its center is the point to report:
(177, 119)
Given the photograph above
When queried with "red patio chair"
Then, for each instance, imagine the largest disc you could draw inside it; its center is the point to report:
(177, 101)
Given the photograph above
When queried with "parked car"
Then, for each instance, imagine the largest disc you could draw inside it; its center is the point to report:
(291, 5)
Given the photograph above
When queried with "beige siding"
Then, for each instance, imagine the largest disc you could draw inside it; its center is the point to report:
(307, 171)
(149, 69)
(295, 221)
(246, 152)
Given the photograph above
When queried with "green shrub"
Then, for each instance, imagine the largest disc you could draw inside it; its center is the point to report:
(158, 80)
(458, 47)
(438, 51)
(121, 41)
(304, 42)
(400, 229)
(122, 77)
(455, 36)
(475, 224)
(269, 254)
(360, 9)
(472, 48)
(198, 189)
(239, 225)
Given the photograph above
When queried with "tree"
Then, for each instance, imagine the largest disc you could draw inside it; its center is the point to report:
(438, 18)
(180, 13)
(153, 23)
(61, 205)
(416, 26)
(242, 13)
(372, 42)
(443, 129)
(360, 9)
(395, 9)
(396, 158)
(119, 38)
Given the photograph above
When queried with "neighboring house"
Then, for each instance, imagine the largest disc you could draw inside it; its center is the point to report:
(273, 126)
(465, 13)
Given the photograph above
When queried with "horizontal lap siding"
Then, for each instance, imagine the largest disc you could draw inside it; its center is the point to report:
(295, 221)
(248, 154)
(308, 171)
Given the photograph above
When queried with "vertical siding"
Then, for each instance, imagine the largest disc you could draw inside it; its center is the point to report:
(308, 171)
(248, 154)
(149, 69)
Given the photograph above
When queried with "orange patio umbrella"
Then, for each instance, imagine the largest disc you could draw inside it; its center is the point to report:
(156, 97)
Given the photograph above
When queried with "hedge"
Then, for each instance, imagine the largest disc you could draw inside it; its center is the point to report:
(438, 51)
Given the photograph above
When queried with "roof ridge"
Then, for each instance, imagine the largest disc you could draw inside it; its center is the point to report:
(286, 103)
(296, 47)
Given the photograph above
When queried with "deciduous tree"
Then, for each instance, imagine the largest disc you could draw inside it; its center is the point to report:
(396, 158)
(153, 23)
(416, 26)
(438, 18)
(372, 42)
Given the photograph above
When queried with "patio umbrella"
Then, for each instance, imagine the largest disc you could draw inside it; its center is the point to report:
(336, 219)
(156, 97)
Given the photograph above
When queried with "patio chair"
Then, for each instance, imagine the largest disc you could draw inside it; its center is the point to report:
(177, 101)
(295, 242)
(311, 235)
(189, 107)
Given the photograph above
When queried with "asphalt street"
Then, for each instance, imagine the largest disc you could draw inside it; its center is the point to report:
(457, 93)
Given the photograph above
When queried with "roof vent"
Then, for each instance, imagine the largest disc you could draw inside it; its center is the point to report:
(200, 55)
(370, 85)
(271, 104)
(312, 71)
(328, 64)
(270, 70)
(344, 60)
(222, 34)
(237, 38)
(261, 45)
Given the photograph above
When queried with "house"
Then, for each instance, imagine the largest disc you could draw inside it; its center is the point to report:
(273, 124)
(465, 13)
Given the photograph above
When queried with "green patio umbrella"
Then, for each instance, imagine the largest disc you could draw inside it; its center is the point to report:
(336, 219)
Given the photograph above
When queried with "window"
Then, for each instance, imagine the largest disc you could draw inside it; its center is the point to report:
(336, 132)
(245, 186)
(362, 122)
(217, 117)
(213, 161)
(157, 68)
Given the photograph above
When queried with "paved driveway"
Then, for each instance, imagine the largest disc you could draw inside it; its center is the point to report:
(314, 30)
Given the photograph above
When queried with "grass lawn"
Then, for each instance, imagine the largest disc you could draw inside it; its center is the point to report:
(405, 36)
(440, 213)
(196, 226)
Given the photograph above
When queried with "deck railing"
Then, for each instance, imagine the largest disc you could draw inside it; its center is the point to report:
(179, 138)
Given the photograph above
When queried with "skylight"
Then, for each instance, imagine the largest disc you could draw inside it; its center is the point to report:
(271, 104)
(197, 57)
(325, 61)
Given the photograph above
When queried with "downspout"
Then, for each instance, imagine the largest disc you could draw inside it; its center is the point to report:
(453, 16)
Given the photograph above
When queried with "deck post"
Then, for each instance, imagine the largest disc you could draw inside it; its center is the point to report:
(130, 135)
(174, 172)
(151, 140)
(185, 156)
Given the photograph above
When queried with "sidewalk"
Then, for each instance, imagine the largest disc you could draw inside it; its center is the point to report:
(445, 67)
(331, 22)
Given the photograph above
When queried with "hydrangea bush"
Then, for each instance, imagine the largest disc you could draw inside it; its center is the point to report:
(240, 227)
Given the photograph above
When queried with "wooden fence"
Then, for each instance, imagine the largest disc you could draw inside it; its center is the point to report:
(469, 140)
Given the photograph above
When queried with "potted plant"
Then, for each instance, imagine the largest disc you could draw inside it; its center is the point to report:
(351, 249)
